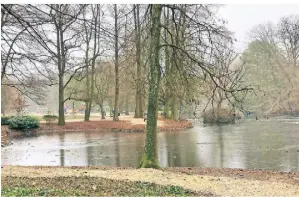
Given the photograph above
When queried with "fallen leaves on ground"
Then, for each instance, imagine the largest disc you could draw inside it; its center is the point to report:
(262, 175)
(129, 124)
(206, 184)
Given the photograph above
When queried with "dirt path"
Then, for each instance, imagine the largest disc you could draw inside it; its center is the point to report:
(223, 186)
(134, 121)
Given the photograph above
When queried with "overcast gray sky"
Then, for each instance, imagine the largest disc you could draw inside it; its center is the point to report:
(241, 17)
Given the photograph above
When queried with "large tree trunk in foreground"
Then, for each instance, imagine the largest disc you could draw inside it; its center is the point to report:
(149, 158)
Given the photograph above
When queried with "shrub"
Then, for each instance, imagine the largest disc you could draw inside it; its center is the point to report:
(23, 123)
(5, 120)
(50, 118)
(221, 116)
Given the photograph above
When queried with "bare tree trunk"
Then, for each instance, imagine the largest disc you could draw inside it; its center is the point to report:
(86, 112)
(167, 72)
(116, 99)
(87, 109)
(143, 96)
(138, 109)
(218, 109)
(61, 69)
(3, 101)
(179, 39)
(175, 108)
(61, 119)
(102, 110)
(127, 105)
(74, 109)
(143, 81)
(91, 90)
(150, 155)
(110, 102)
(90, 87)
(167, 110)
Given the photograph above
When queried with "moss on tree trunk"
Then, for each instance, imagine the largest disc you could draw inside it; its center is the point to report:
(149, 158)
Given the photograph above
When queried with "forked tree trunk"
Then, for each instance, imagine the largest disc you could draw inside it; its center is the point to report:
(150, 155)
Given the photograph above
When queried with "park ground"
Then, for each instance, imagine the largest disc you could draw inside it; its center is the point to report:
(112, 181)
(125, 123)
(76, 124)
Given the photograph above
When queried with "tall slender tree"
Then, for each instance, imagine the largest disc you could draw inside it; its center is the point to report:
(139, 107)
(92, 36)
(116, 63)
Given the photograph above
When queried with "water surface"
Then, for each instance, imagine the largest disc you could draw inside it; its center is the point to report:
(268, 144)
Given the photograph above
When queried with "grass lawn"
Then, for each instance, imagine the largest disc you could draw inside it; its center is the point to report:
(86, 186)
